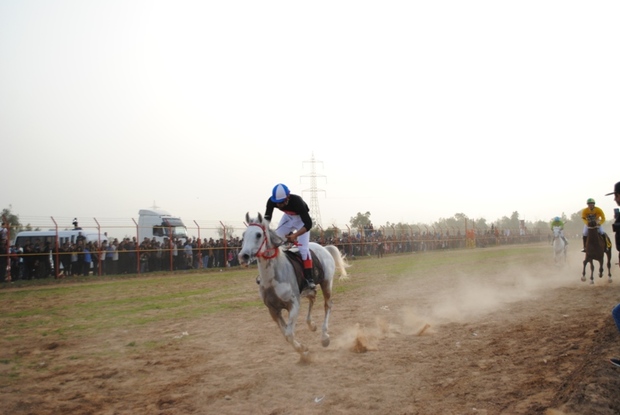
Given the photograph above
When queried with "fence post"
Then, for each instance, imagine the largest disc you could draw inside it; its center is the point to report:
(137, 246)
(173, 245)
(225, 244)
(57, 262)
(199, 251)
(98, 247)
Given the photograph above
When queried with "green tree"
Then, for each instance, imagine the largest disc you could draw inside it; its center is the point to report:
(360, 221)
(228, 229)
(455, 223)
(13, 220)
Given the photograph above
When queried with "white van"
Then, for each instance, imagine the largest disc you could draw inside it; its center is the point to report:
(159, 224)
(49, 236)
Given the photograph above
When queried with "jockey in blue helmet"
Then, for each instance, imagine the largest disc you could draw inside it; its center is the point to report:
(294, 225)
(557, 221)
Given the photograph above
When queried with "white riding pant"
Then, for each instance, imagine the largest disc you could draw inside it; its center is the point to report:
(585, 230)
(292, 223)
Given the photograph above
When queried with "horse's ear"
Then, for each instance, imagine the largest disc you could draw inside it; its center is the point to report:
(247, 217)
(260, 218)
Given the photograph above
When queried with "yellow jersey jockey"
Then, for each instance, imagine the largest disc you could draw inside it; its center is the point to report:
(560, 224)
(592, 212)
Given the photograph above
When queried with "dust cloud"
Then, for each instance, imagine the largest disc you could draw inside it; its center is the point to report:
(414, 309)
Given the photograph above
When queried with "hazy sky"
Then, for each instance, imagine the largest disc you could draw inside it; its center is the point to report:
(416, 110)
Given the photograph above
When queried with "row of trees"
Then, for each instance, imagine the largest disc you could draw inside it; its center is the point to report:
(460, 221)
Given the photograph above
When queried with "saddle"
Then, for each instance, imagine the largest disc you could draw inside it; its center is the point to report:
(293, 255)
(606, 240)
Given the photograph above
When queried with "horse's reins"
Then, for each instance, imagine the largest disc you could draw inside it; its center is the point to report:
(265, 254)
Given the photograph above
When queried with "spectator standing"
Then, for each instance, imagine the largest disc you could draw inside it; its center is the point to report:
(102, 256)
(4, 251)
(115, 257)
(87, 259)
(189, 256)
(75, 268)
(615, 312)
(109, 257)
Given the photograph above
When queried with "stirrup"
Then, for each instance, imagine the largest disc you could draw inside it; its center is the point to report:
(310, 285)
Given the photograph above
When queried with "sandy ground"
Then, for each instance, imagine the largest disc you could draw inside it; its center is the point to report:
(505, 341)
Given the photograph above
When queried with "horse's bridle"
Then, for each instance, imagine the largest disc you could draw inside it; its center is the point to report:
(267, 253)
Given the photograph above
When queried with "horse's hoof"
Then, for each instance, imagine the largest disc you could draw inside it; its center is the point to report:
(609, 280)
(583, 279)
(591, 282)
(325, 341)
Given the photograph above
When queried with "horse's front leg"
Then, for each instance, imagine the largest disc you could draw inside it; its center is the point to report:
(289, 330)
(592, 272)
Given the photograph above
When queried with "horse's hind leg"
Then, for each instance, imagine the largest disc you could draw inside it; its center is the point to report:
(309, 321)
(583, 273)
(327, 295)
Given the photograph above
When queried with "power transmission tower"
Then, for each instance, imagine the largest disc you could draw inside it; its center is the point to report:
(315, 212)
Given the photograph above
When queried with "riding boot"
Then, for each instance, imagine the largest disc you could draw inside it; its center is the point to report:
(309, 280)
(584, 244)
(565, 240)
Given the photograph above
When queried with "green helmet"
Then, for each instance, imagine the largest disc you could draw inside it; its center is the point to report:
(590, 200)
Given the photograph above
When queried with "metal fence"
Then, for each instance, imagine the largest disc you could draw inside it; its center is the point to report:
(212, 245)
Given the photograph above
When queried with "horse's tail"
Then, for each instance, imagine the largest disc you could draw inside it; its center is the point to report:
(341, 263)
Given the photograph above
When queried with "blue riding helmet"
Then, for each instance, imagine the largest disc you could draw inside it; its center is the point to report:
(556, 219)
(279, 193)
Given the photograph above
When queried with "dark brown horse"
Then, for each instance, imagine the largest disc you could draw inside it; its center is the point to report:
(597, 246)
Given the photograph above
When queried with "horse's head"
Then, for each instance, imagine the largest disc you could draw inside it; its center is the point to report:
(556, 231)
(258, 240)
(592, 221)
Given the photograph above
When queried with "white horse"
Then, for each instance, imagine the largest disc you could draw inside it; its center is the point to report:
(559, 246)
(279, 282)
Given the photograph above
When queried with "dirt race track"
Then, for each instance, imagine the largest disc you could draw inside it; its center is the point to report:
(509, 334)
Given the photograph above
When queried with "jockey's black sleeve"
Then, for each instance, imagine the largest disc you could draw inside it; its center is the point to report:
(295, 206)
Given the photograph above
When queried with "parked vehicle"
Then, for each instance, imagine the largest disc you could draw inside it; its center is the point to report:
(42, 244)
(49, 237)
(161, 225)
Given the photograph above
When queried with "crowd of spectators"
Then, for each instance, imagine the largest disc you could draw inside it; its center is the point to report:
(127, 256)
(372, 242)
(41, 260)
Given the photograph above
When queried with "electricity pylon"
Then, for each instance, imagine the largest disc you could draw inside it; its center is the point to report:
(315, 212)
